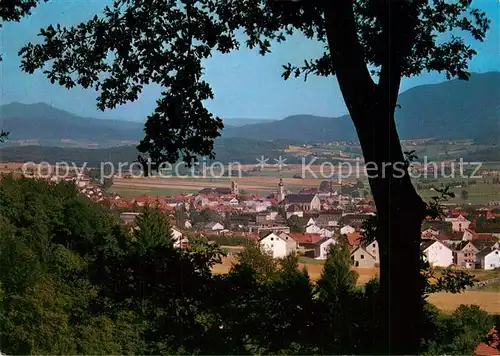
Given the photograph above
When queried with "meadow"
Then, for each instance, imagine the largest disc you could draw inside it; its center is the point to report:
(258, 184)
(479, 193)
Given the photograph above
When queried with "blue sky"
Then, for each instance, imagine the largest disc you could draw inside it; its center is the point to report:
(246, 85)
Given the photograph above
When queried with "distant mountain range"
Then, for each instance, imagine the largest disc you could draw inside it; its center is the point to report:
(449, 110)
(46, 124)
(241, 122)
(304, 128)
(43, 124)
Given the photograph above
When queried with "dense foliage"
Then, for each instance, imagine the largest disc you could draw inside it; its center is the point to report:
(72, 281)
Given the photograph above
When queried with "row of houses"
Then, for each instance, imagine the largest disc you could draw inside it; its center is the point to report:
(366, 254)
(465, 254)
(280, 245)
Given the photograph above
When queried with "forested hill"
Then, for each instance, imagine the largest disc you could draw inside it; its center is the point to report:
(452, 109)
(244, 151)
(50, 126)
(43, 122)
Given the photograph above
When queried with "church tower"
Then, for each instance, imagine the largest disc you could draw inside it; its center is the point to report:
(281, 191)
(234, 188)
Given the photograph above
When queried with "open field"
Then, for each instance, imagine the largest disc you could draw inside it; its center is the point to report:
(132, 191)
(487, 300)
(264, 184)
(253, 184)
(299, 150)
(479, 193)
(10, 167)
(313, 269)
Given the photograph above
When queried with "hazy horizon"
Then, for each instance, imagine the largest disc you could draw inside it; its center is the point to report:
(241, 119)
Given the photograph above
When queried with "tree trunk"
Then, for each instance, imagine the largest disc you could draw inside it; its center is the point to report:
(400, 213)
(400, 210)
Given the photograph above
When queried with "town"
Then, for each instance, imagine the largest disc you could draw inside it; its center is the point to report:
(308, 221)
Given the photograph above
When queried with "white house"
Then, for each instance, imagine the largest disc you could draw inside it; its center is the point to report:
(459, 224)
(362, 258)
(347, 230)
(294, 211)
(313, 229)
(278, 246)
(310, 222)
(262, 206)
(178, 239)
(187, 224)
(323, 247)
(488, 259)
(291, 244)
(468, 235)
(214, 226)
(437, 254)
(372, 248)
(272, 215)
(233, 202)
(325, 233)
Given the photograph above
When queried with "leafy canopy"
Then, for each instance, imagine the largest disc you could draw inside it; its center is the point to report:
(136, 43)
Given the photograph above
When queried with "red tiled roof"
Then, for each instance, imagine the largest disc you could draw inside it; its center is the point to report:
(427, 235)
(456, 213)
(484, 349)
(123, 204)
(443, 237)
(491, 347)
(482, 235)
(305, 238)
(143, 199)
